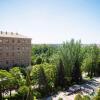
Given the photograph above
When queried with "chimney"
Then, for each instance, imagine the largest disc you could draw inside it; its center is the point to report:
(11, 33)
(1, 32)
(16, 33)
(6, 32)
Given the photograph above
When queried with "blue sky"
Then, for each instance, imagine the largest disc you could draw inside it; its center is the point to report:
(52, 21)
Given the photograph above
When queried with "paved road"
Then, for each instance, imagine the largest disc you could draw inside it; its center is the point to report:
(88, 88)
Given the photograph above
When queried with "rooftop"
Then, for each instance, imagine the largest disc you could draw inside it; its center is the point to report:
(11, 34)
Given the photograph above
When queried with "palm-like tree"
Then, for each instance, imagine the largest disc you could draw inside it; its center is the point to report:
(28, 83)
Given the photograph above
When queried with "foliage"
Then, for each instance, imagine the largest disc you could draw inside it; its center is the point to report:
(37, 94)
(60, 75)
(43, 75)
(19, 78)
(42, 81)
(23, 90)
(60, 98)
(6, 82)
(98, 92)
(91, 61)
(43, 53)
(71, 56)
(49, 71)
(86, 97)
(29, 84)
(53, 67)
(34, 98)
(96, 98)
(78, 97)
(38, 60)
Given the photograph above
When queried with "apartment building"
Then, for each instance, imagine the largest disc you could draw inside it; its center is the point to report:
(15, 50)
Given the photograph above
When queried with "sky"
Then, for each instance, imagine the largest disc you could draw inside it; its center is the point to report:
(52, 21)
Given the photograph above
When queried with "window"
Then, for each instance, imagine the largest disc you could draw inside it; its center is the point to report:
(23, 53)
(6, 40)
(13, 41)
(18, 53)
(13, 54)
(23, 48)
(6, 61)
(13, 61)
(0, 48)
(23, 41)
(7, 47)
(12, 47)
(27, 48)
(18, 41)
(0, 63)
(18, 48)
(0, 40)
(26, 41)
(7, 54)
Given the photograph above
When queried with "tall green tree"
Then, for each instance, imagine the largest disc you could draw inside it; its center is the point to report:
(29, 84)
(91, 61)
(42, 81)
(71, 56)
(60, 75)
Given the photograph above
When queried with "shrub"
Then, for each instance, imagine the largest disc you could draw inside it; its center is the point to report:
(86, 97)
(60, 98)
(96, 98)
(37, 94)
(34, 98)
(98, 92)
(23, 90)
(78, 97)
(38, 60)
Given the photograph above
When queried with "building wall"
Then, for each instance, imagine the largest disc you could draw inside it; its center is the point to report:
(14, 51)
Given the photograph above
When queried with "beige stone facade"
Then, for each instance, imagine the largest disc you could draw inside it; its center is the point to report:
(15, 50)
